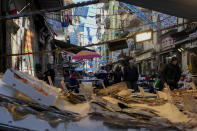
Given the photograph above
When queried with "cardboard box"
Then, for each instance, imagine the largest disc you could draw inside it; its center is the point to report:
(30, 86)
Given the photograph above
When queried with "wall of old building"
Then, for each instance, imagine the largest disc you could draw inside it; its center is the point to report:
(16, 41)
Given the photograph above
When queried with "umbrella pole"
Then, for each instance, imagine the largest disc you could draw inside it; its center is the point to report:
(86, 66)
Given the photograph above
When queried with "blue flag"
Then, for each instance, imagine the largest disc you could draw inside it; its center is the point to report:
(65, 24)
(55, 24)
(79, 28)
(81, 11)
(73, 38)
(89, 36)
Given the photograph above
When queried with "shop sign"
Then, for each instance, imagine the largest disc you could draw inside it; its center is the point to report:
(117, 45)
(144, 56)
(167, 43)
(191, 45)
(143, 36)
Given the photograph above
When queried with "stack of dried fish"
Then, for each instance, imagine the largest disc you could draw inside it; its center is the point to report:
(122, 107)
(121, 114)
(113, 89)
(74, 98)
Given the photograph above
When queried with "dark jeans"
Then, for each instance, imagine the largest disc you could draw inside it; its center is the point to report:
(173, 86)
(132, 85)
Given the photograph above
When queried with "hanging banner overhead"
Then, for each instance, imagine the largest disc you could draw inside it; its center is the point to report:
(56, 26)
(167, 20)
(73, 38)
(79, 28)
(141, 14)
(89, 36)
(67, 20)
(81, 11)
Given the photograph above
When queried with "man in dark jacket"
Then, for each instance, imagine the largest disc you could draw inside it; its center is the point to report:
(172, 73)
(117, 75)
(131, 75)
(50, 72)
(104, 76)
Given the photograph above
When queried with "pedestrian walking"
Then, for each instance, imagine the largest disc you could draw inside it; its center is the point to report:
(131, 75)
(171, 74)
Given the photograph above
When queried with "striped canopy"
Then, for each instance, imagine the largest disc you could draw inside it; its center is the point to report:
(86, 55)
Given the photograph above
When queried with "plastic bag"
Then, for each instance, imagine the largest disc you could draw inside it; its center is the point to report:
(157, 83)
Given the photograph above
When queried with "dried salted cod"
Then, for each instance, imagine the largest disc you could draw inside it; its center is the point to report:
(168, 111)
(125, 92)
(113, 89)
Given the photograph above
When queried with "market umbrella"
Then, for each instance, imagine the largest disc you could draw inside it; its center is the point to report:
(86, 55)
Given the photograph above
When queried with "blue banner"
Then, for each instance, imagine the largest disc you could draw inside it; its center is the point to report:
(81, 11)
(55, 24)
(167, 20)
(73, 38)
(79, 28)
(89, 36)
(65, 24)
(140, 14)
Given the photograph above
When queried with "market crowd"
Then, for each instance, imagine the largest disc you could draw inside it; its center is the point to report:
(124, 71)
